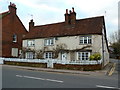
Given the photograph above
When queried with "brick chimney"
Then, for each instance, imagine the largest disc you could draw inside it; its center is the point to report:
(31, 25)
(70, 18)
(12, 8)
(73, 16)
(67, 17)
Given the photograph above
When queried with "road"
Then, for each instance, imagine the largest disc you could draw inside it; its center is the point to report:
(21, 78)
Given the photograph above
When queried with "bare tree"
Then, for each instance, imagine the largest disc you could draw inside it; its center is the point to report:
(113, 37)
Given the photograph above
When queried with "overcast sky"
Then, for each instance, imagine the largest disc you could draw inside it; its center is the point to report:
(52, 11)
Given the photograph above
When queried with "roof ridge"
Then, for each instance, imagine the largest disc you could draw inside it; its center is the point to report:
(49, 24)
(4, 14)
(90, 18)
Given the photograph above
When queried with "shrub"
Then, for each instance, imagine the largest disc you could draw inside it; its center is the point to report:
(95, 56)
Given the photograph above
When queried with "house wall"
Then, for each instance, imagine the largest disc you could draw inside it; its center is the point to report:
(69, 43)
(11, 25)
(106, 52)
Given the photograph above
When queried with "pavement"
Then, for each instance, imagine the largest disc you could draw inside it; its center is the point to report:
(98, 72)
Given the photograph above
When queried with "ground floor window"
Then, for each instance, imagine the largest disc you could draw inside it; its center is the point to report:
(83, 55)
(15, 52)
(48, 55)
(29, 55)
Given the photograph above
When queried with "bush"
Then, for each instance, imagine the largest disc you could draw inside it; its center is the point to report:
(95, 56)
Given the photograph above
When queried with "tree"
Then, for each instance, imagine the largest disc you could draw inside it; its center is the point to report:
(113, 37)
(116, 47)
(114, 40)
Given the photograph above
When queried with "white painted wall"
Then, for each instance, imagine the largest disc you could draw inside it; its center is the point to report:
(72, 43)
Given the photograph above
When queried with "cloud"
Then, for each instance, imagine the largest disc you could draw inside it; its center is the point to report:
(51, 11)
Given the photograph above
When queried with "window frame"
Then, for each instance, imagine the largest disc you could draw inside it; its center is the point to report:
(14, 52)
(31, 44)
(14, 38)
(29, 55)
(81, 55)
(48, 55)
(85, 39)
(49, 41)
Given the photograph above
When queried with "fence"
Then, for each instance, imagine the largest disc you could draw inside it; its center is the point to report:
(50, 62)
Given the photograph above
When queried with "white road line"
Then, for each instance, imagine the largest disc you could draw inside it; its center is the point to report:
(54, 80)
(19, 76)
(107, 87)
(34, 77)
(39, 78)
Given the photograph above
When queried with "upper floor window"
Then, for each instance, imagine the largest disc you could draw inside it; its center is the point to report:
(49, 41)
(30, 43)
(14, 38)
(85, 39)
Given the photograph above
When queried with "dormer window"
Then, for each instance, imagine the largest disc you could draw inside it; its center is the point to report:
(14, 38)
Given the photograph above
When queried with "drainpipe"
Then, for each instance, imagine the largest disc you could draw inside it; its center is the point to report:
(103, 49)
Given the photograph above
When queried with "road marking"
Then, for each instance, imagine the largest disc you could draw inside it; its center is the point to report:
(37, 78)
(19, 76)
(107, 87)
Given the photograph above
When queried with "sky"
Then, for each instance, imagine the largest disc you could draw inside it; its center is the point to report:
(52, 11)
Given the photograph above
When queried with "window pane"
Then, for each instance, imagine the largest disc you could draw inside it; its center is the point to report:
(89, 40)
(49, 41)
(83, 55)
(31, 43)
(79, 56)
(85, 40)
(81, 40)
(29, 55)
(48, 55)
(14, 38)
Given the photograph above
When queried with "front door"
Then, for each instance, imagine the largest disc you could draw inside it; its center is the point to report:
(63, 55)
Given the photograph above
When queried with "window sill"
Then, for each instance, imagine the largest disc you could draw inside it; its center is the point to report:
(49, 45)
(30, 46)
(85, 44)
(14, 41)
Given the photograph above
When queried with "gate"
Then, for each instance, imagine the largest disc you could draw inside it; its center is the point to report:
(50, 63)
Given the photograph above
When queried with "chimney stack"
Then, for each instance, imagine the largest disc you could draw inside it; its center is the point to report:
(73, 16)
(67, 17)
(12, 8)
(70, 18)
(31, 25)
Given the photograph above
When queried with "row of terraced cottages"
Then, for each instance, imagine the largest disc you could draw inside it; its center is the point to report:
(73, 39)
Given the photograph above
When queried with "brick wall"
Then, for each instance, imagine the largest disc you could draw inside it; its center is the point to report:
(11, 25)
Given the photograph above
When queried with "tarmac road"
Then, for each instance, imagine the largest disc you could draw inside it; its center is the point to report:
(20, 78)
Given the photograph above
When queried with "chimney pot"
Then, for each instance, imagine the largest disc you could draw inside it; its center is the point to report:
(12, 8)
(73, 9)
(66, 11)
(70, 11)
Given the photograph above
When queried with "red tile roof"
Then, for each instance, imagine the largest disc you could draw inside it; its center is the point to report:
(86, 26)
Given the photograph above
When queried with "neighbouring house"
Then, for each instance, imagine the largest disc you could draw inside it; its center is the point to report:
(74, 39)
(12, 32)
